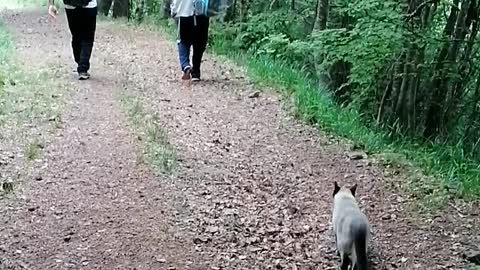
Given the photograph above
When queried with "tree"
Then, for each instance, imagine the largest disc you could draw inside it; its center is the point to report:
(104, 6)
(120, 8)
(322, 15)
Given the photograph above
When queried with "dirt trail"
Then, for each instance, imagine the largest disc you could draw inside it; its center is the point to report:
(251, 189)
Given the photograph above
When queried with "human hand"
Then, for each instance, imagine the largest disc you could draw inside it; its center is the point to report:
(52, 11)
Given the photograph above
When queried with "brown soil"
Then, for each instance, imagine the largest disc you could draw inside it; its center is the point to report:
(251, 189)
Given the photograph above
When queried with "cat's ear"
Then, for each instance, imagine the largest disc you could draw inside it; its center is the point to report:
(353, 189)
(336, 188)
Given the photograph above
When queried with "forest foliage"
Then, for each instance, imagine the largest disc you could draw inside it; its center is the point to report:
(409, 68)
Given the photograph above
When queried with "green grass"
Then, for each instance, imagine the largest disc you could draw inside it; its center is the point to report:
(31, 150)
(156, 148)
(459, 175)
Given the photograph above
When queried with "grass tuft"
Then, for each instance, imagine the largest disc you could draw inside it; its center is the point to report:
(157, 149)
(32, 150)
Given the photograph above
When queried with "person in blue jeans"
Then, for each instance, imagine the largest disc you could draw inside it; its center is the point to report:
(192, 23)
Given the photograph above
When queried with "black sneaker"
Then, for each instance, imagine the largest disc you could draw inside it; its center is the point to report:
(195, 76)
(82, 76)
(187, 73)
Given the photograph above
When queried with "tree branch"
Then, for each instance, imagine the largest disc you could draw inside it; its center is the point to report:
(417, 11)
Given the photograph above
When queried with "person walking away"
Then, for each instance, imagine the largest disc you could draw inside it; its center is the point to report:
(82, 21)
(192, 32)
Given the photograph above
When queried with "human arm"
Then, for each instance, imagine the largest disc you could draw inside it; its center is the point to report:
(173, 8)
(52, 10)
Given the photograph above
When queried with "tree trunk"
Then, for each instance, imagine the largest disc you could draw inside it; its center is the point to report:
(397, 83)
(412, 96)
(322, 15)
(139, 11)
(321, 24)
(231, 13)
(434, 112)
(470, 136)
(464, 66)
(104, 6)
(120, 8)
(400, 106)
(166, 8)
(243, 10)
(386, 94)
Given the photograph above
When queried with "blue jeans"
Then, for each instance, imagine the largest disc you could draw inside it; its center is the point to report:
(192, 33)
(183, 55)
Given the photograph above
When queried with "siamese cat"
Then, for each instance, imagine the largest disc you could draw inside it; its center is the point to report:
(351, 228)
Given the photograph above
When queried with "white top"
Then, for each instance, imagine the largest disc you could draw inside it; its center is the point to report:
(182, 8)
(92, 4)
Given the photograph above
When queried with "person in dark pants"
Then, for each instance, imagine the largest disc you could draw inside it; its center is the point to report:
(193, 25)
(82, 21)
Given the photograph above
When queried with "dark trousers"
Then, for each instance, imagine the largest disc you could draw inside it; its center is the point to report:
(82, 23)
(192, 32)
